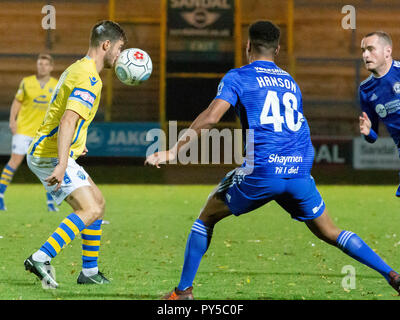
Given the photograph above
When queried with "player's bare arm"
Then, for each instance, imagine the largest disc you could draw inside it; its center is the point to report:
(65, 134)
(15, 108)
(205, 120)
(365, 124)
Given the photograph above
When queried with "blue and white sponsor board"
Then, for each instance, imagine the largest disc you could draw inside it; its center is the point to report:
(5, 138)
(105, 139)
(128, 139)
(119, 139)
(383, 154)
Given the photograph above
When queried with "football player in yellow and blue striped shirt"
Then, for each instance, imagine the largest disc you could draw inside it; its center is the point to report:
(60, 140)
(27, 112)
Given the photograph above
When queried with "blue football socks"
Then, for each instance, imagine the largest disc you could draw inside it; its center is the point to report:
(196, 246)
(91, 237)
(5, 179)
(355, 247)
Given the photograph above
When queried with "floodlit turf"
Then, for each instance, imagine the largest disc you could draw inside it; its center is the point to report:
(261, 255)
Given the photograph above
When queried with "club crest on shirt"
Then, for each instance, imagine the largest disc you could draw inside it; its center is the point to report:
(93, 80)
(396, 88)
(381, 110)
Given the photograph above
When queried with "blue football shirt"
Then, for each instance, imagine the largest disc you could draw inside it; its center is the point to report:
(269, 104)
(380, 99)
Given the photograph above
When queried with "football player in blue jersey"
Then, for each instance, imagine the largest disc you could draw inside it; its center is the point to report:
(380, 93)
(278, 161)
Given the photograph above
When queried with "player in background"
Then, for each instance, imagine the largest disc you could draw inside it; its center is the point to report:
(27, 112)
(279, 157)
(59, 141)
(380, 93)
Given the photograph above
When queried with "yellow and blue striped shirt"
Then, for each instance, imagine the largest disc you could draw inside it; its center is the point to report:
(79, 90)
(35, 100)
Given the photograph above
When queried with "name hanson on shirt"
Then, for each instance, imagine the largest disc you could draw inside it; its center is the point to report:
(273, 80)
(270, 81)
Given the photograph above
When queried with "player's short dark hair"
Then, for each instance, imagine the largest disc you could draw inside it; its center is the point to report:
(264, 36)
(46, 56)
(106, 30)
(383, 35)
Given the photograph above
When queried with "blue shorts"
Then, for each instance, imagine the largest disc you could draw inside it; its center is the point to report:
(298, 196)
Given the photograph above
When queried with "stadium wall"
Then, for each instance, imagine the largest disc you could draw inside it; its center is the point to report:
(328, 64)
(328, 67)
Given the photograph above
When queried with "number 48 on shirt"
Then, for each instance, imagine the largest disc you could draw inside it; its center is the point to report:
(271, 113)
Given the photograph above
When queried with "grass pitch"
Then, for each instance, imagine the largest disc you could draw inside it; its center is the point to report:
(261, 255)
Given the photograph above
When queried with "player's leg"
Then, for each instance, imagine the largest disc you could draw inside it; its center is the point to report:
(15, 160)
(305, 203)
(20, 145)
(351, 244)
(91, 237)
(228, 198)
(87, 209)
(7, 175)
(198, 242)
(200, 236)
(324, 228)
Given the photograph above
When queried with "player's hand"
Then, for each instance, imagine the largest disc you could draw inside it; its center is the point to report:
(56, 177)
(84, 152)
(159, 158)
(365, 124)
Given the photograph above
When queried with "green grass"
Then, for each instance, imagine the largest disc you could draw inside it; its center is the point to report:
(261, 255)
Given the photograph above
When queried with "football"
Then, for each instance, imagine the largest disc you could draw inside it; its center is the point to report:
(133, 66)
